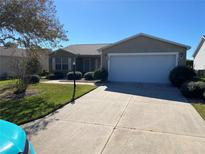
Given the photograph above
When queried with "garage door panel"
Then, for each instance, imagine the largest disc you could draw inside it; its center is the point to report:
(141, 68)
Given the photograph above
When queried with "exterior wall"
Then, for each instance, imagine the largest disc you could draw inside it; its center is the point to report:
(8, 63)
(199, 59)
(143, 44)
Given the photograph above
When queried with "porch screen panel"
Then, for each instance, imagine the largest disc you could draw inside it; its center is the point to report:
(65, 63)
(69, 64)
(58, 63)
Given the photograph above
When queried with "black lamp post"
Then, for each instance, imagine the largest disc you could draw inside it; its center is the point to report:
(74, 77)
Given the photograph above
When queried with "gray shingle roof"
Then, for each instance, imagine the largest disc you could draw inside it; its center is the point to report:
(85, 49)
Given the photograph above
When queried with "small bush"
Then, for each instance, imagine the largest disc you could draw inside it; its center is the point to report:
(51, 77)
(89, 76)
(204, 95)
(44, 73)
(55, 76)
(34, 79)
(70, 75)
(4, 76)
(59, 75)
(192, 89)
(180, 75)
(100, 74)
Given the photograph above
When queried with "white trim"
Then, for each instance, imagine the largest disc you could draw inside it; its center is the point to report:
(199, 46)
(145, 35)
(141, 53)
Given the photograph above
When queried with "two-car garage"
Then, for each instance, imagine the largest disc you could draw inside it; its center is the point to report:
(141, 67)
(142, 58)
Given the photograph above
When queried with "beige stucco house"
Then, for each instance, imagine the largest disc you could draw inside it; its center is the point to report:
(199, 56)
(139, 58)
(9, 58)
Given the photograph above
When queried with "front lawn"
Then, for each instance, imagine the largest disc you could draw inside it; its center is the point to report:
(200, 109)
(41, 99)
(203, 79)
(6, 83)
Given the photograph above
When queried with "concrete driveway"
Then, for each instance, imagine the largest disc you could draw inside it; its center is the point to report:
(122, 118)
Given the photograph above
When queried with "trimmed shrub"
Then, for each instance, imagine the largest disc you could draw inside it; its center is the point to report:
(44, 73)
(70, 75)
(59, 75)
(55, 76)
(192, 89)
(204, 95)
(4, 76)
(89, 76)
(100, 74)
(180, 75)
(51, 77)
(34, 79)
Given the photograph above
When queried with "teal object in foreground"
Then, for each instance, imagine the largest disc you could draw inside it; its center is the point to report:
(13, 139)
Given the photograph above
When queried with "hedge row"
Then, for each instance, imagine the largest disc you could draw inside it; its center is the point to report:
(100, 74)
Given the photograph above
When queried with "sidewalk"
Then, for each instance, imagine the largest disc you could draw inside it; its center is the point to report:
(67, 82)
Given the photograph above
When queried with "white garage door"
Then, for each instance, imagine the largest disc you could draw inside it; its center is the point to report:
(147, 68)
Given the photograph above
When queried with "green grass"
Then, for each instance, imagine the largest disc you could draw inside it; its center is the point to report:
(203, 79)
(46, 99)
(200, 108)
(6, 83)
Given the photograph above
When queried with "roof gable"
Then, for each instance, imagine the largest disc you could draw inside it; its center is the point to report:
(148, 36)
(199, 46)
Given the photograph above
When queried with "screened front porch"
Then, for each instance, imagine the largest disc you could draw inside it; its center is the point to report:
(83, 63)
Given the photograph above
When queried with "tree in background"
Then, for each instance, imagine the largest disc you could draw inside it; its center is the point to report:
(189, 63)
(32, 25)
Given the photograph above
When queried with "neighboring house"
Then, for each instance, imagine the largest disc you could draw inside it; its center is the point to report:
(140, 58)
(10, 56)
(199, 56)
(86, 56)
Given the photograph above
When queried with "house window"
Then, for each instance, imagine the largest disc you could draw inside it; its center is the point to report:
(58, 63)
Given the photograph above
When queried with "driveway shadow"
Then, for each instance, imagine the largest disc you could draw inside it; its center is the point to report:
(158, 91)
(32, 128)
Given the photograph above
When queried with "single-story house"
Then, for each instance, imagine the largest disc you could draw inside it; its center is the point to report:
(199, 56)
(86, 56)
(9, 58)
(140, 58)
